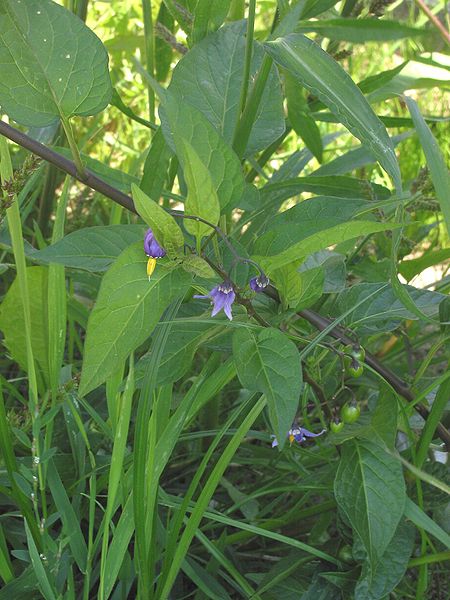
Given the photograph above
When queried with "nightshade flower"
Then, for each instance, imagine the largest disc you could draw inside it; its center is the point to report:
(259, 283)
(299, 434)
(153, 250)
(222, 297)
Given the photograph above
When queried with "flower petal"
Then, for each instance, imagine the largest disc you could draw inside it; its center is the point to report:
(307, 433)
(227, 308)
(151, 264)
(219, 302)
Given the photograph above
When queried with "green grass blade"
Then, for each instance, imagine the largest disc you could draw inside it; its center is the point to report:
(57, 306)
(278, 537)
(214, 551)
(141, 447)
(435, 160)
(6, 572)
(180, 515)
(119, 546)
(12, 468)
(206, 495)
(70, 520)
(423, 521)
(439, 405)
(116, 472)
(42, 577)
(204, 581)
(15, 229)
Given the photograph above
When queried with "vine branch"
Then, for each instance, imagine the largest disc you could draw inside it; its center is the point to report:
(318, 321)
(439, 26)
(66, 165)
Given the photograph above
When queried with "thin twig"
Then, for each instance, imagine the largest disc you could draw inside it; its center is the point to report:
(66, 165)
(396, 383)
(439, 26)
(167, 36)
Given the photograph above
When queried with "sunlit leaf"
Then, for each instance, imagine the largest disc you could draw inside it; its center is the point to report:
(367, 481)
(322, 76)
(269, 362)
(52, 64)
(127, 309)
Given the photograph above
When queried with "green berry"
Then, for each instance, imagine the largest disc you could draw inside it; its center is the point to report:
(350, 412)
(354, 368)
(336, 425)
(356, 351)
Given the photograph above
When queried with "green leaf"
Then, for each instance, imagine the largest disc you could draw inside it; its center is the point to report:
(401, 83)
(323, 77)
(410, 268)
(52, 64)
(286, 236)
(379, 582)
(438, 408)
(435, 160)
(268, 362)
(91, 248)
(383, 310)
(127, 309)
(300, 116)
(316, 7)
(383, 421)
(117, 459)
(374, 82)
(320, 589)
(340, 186)
(197, 266)
(220, 60)
(165, 229)
(288, 282)
(208, 17)
(222, 163)
(185, 337)
(203, 580)
(44, 579)
(11, 320)
(298, 290)
(311, 288)
(156, 166)
(119, 545)
(367, 481)
(360, 156)
(421, 520)
(333, 266)
(359, 30)
(202, 200)
(310, 216)
(69, 518)
(248, 506)
(117, 101)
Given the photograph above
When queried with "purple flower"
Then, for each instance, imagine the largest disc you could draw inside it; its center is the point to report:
(259, 283)
(153, 250)
(299, 434)
(222, 297)
(151, 246)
